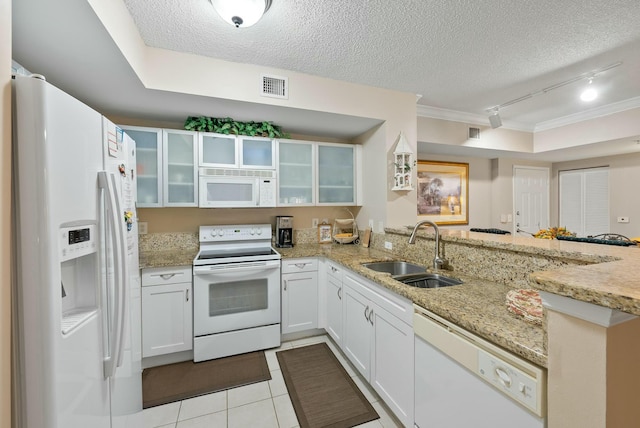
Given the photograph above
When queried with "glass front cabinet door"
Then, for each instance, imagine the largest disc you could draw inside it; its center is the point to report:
(180, 168)
(218, 150)
(337, 174)
(296, 173)
(257, 152)
(148, 164)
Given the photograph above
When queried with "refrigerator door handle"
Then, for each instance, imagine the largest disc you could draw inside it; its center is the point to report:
(117, 310)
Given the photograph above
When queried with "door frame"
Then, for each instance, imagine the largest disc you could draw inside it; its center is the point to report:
(513, 196)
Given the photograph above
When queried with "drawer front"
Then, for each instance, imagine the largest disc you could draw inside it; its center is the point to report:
(166, 275)
(299, 265)
(334, 270)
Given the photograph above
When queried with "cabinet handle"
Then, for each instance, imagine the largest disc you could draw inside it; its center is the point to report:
(371, 316)
(187, 295)
(366, 315)
(167, 275)
(340, 293)
(285, 284)
(333, 269)
(300, 265)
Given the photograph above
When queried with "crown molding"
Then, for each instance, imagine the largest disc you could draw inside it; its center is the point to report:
(594, 113)
(471, 118)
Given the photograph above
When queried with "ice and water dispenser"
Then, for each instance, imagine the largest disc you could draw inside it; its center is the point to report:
(78, 252)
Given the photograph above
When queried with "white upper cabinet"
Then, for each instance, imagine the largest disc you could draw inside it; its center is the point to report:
(257, 152)
(180, 168)
(218, 150)
(337, 174)
(230, 151)
(296, 173)
(166, 166)
(149, 164)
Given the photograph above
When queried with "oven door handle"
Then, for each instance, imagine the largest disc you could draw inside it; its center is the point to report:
(240, 267)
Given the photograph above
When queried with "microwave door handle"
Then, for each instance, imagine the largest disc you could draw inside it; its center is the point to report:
(256, 192)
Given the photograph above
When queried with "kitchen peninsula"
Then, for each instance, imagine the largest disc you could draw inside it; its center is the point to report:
(591, 367)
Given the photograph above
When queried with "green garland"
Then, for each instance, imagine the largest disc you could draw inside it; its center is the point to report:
(229, 126)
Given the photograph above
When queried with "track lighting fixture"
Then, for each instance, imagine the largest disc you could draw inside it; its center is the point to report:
(589, 94)
(241, 13)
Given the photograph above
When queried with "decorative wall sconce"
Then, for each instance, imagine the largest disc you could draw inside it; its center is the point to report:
(403, 162)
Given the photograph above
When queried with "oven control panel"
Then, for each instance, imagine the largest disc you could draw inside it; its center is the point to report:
(235, 233)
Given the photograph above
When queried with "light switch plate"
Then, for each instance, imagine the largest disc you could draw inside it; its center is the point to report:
(142, 227)
(314, 222)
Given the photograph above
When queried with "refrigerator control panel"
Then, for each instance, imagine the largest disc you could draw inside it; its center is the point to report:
(77, 241)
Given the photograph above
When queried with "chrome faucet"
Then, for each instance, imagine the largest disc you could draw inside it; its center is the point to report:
(438, 262)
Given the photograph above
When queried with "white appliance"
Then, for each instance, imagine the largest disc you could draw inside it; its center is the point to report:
(78, 284)
(461, 380)
(236, 291)
(237, 188)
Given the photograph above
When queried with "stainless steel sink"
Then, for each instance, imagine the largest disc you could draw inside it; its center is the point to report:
(427, 280)
(395, 268)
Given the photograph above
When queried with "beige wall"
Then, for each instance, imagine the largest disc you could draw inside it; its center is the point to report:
(5, 213)
(624, 176)
(189, 219)
(625, 124)
(457, 134)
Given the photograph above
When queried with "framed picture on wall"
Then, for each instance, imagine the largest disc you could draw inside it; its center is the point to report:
(443, 189)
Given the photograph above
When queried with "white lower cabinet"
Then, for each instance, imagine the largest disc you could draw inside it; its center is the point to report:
(378, 339)
(299, 295)
(333, 300)
(167, 310)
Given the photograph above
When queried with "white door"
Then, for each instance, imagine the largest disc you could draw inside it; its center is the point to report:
(530, 199)
(358, 332)
(334, 309)
(299, 301)
(392, 365)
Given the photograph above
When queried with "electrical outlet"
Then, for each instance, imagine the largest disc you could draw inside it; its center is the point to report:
(371, 223)
(388, 245)
(380, 226)
(623, 219)
(142, 227)
(314, 222)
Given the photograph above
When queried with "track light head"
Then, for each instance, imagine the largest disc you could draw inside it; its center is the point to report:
(495, 120)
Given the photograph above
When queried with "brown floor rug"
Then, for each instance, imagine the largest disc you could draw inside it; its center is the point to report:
(175, 382)
(322, 393)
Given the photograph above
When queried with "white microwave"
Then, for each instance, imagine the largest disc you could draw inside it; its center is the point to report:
(236, 188)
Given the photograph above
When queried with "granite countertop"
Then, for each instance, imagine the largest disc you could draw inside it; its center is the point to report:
(610, 276)
(169, 257)
(477, 305)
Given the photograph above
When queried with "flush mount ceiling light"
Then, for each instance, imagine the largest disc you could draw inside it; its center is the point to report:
(241, 13)
(590, 92)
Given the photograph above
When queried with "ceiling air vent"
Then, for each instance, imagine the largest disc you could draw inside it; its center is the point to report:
(274, 86)
(474, 133)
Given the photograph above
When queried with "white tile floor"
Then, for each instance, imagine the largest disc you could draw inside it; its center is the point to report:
(260, 405)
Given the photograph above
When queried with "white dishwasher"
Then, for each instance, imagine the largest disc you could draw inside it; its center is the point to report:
(462, 380)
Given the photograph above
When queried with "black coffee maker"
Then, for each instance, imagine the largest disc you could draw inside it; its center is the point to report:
(284, 231)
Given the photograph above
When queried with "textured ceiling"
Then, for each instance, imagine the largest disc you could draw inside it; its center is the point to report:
(462, 55)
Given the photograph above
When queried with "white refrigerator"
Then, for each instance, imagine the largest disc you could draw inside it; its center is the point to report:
(78, 285)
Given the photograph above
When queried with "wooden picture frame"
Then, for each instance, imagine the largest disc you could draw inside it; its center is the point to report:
(324, 234)
(443, 192)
